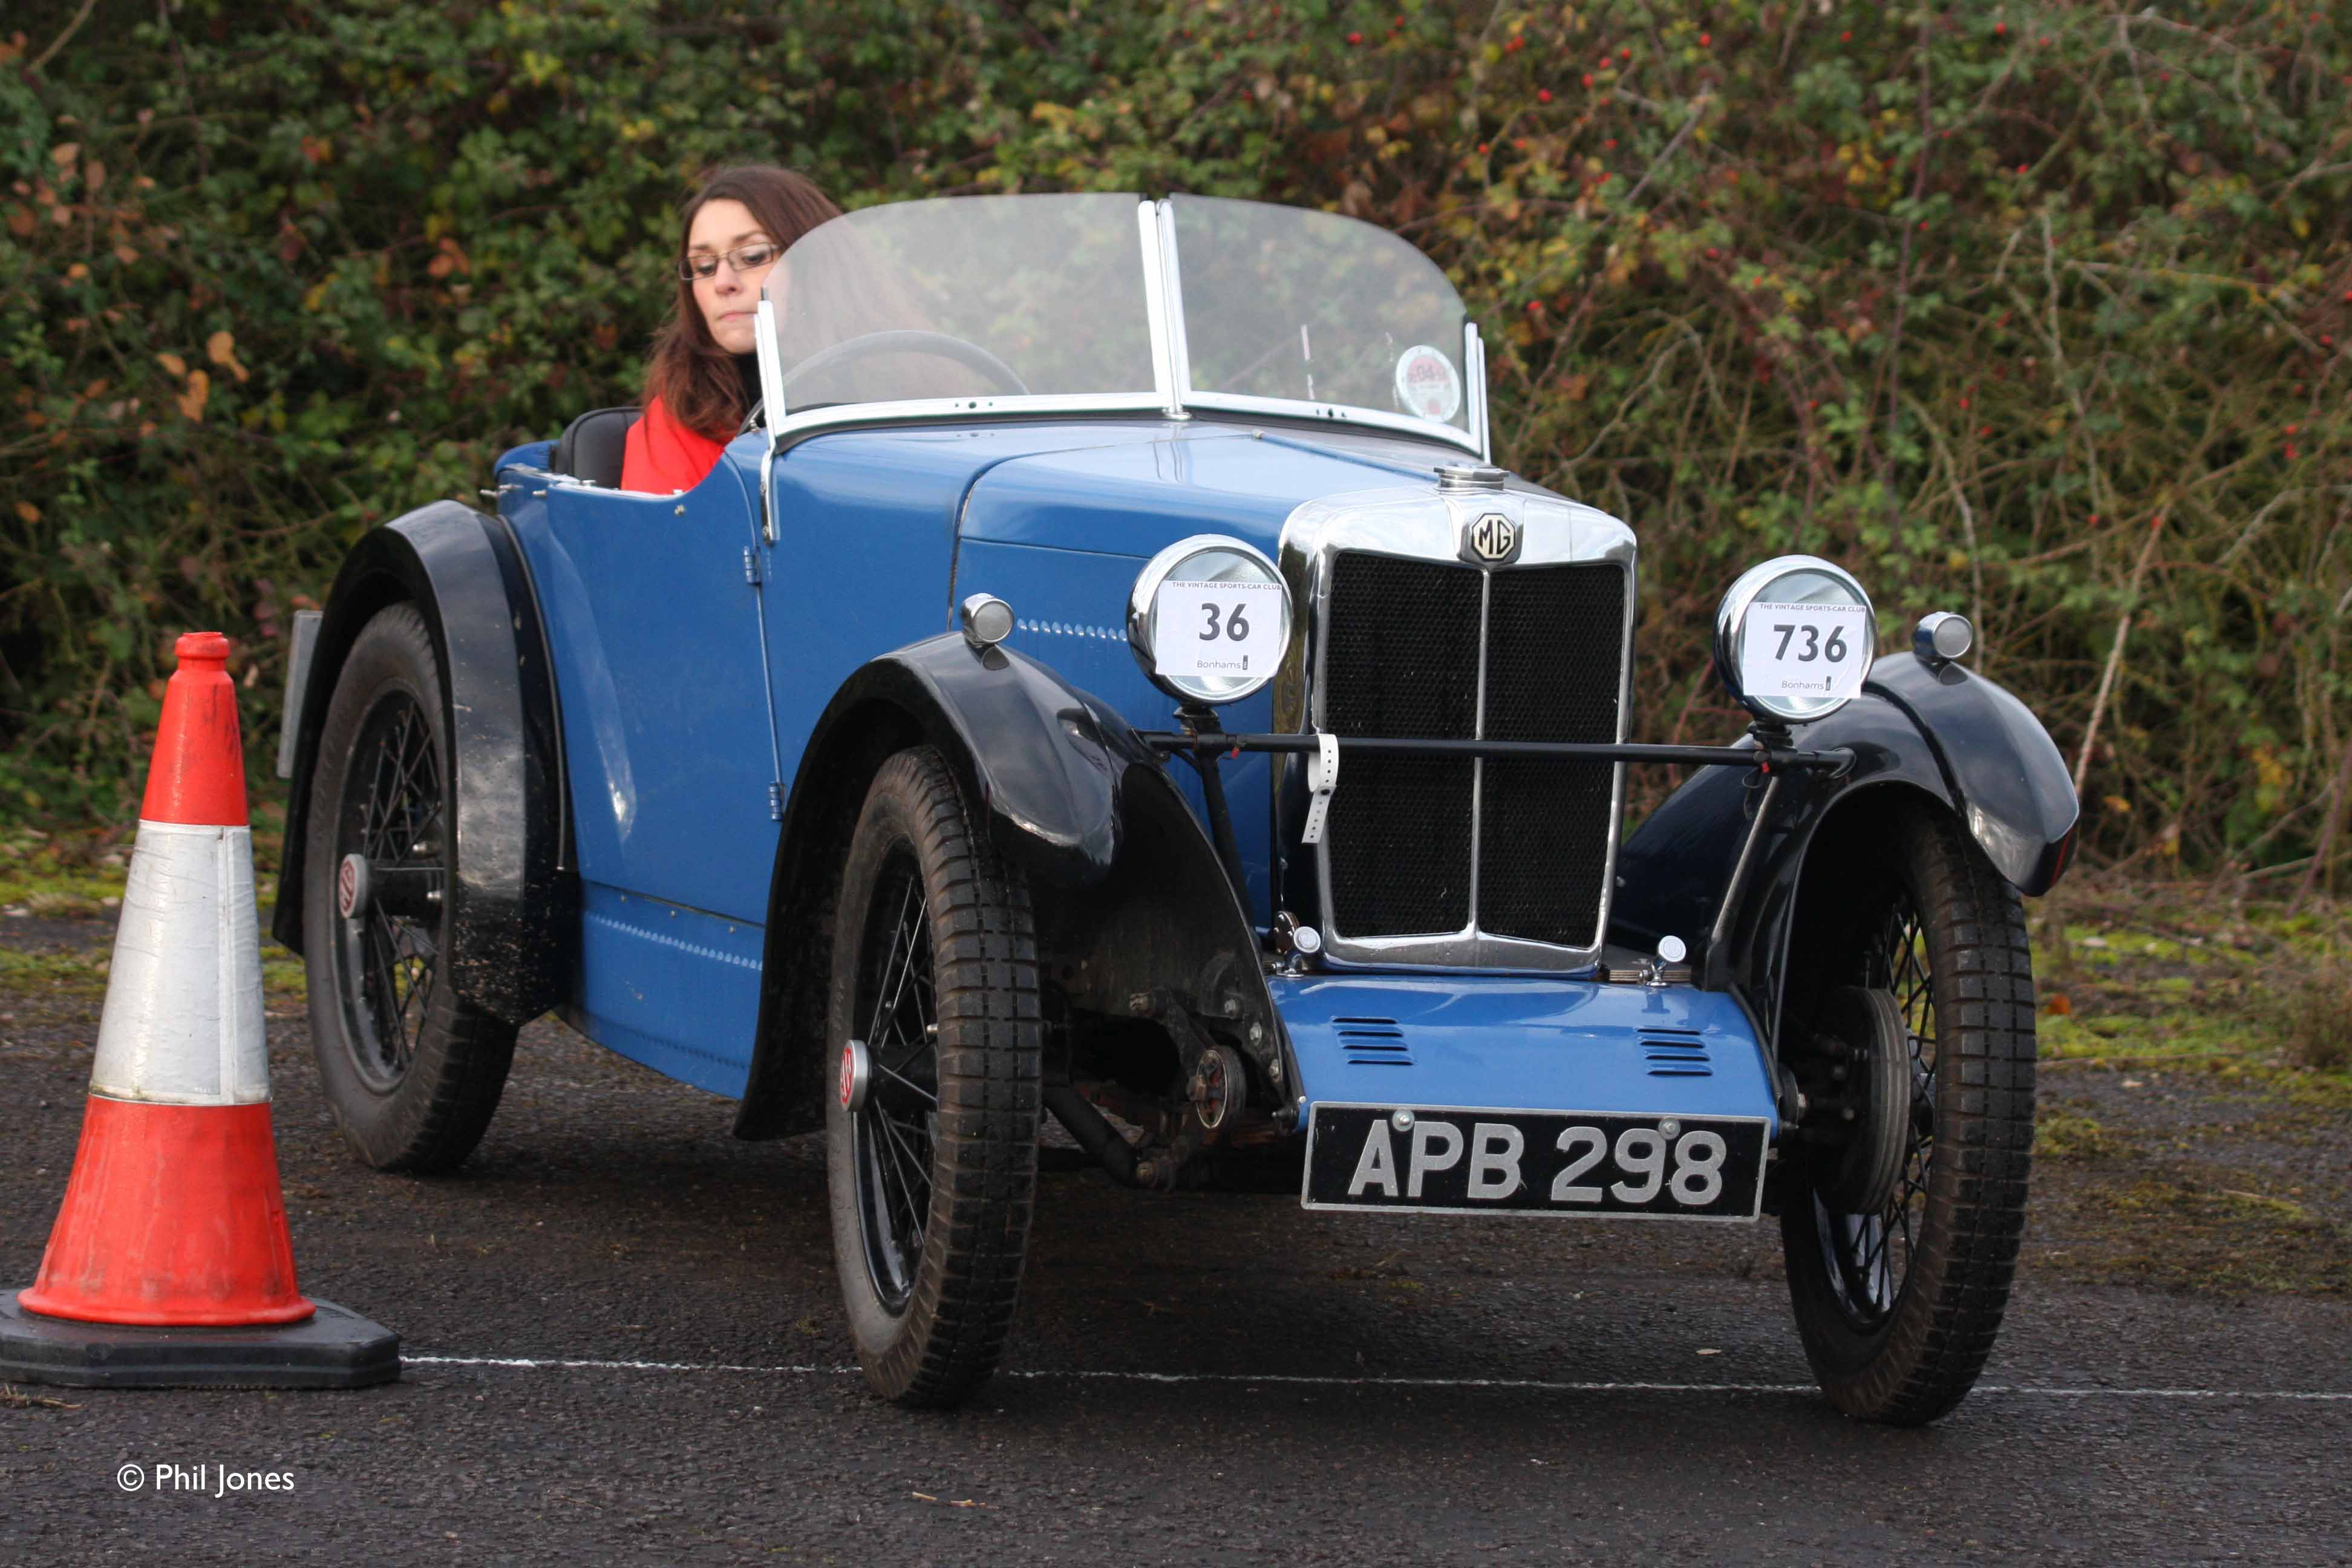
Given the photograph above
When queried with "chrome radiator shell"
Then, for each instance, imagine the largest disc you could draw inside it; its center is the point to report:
(1423, 523)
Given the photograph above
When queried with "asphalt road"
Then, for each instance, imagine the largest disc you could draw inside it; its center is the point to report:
(1202, 1378)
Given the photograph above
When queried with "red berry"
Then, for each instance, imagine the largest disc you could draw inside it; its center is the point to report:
(2045, 40)
(1705, 40)
(1588, 78)
(1964, 403)
(1983, 430)
(2292, 429)
(1604, 178)
(1355, 38)
(2290, 451)
(1712, 253)
(1624, 54)
(2000, 29)
(1612, 142)
(2020, 168)
(1845, 38)
(1543, 95)
(1923, 226)
(1482, 146)
(1534, 307)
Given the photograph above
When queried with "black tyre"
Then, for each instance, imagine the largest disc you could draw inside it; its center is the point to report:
(1899, 1308)
(934, 1174)
(412, 1073)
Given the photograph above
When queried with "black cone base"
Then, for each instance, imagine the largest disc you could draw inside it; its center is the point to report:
(336, 1349)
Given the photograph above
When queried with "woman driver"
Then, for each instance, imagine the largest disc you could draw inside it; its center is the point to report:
(703, 378)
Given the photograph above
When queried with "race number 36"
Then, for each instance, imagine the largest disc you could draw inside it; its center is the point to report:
(1805, 650)
(1215, 628)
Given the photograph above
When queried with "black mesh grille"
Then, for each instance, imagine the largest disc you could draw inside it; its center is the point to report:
(1400, 659)
(1555, 641)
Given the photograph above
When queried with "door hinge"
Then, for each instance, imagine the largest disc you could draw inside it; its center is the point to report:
(750, 568)
(775, 803)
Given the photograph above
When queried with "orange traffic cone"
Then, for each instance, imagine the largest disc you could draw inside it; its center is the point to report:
(170, 1263)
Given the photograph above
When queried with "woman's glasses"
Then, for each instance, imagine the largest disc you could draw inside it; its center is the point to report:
(741, 259)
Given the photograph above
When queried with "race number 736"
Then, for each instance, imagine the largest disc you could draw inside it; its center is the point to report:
(1804, 650)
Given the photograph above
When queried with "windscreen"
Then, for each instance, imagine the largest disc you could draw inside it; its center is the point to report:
(966, 297)
(1312, 307)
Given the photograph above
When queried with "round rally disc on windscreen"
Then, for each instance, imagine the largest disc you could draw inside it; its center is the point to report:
(1427, 383)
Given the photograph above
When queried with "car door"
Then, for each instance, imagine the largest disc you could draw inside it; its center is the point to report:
(653, 617)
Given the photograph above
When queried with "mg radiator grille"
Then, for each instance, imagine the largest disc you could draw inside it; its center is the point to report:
(1402, 657)
(1555, 640)
(1401, 660)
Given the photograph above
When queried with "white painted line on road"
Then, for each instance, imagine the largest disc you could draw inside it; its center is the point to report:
(1296, 1380)
(533, 1363)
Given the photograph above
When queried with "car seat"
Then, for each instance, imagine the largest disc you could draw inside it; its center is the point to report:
(594, 445)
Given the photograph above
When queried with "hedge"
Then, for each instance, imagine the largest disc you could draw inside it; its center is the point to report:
(2035, 310)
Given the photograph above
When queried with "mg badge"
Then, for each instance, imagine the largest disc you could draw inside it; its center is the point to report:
(1493, 540)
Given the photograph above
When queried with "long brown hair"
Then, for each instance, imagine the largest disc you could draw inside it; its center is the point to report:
(694, 377)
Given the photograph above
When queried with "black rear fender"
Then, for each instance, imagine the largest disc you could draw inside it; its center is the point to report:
(514, 899)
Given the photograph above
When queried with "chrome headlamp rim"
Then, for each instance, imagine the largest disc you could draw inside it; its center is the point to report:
(1731, 626)
(1142, 597)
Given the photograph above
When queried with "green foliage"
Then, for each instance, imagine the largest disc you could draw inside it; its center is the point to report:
(1972, 297)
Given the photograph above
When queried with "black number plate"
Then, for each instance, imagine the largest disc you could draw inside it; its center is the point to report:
(1446, 1159)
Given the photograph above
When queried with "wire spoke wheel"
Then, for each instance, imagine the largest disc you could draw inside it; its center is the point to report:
(931, 1149)
(392, 819)
(1898, 1307)
(411, 1070)
(1868, 1257)
(896, 1127)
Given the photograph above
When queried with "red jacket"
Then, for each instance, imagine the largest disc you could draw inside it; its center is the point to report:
(664, 456)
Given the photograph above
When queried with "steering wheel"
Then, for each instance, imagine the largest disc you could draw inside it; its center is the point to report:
(911, 340)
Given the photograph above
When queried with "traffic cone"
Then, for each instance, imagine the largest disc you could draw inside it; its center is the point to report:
(170, 1265)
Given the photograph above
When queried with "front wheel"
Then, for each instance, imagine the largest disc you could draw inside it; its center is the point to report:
(931, 1136)
(1898, 1306)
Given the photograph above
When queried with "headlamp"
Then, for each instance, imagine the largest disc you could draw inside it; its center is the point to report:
(1209, 619)
(1793, 638)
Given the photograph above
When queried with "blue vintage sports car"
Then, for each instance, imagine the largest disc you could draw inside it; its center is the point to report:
(1106, 680)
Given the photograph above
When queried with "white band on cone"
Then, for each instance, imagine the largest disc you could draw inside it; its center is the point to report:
(182, 1020)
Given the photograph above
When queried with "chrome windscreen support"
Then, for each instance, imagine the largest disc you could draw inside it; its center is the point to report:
(771, 404)
(1474, 366)
(1164, 283)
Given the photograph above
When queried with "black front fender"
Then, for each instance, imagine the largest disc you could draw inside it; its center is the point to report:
(2002, 771)
(1953, 737)
(1046, 760)
(514, 903)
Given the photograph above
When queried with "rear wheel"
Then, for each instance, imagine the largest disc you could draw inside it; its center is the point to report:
(412, 1073)
(931, 1138)
(1898, 1305)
